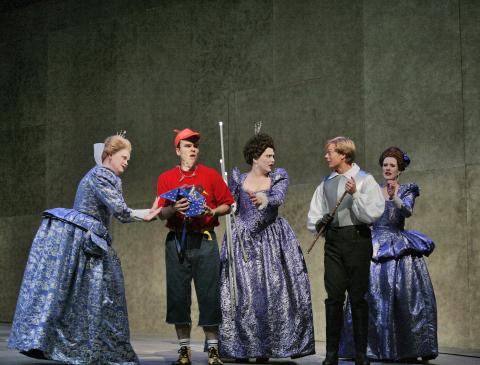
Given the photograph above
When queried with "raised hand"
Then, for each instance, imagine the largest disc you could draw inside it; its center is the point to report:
(257, 199)
(391, 186)
(351, 186)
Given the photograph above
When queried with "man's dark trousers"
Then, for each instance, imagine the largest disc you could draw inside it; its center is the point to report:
(348, 251)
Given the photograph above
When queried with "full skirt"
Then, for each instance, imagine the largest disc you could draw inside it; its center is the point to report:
(71, 307)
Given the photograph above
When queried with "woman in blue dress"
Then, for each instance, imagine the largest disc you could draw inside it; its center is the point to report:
(273, 317)
(71, 307)
(402, 306)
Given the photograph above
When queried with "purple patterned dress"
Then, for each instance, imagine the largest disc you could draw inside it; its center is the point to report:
(273, 318)
(402, 307)
(71, 306)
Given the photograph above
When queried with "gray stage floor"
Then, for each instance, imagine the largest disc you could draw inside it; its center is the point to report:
(155, 351)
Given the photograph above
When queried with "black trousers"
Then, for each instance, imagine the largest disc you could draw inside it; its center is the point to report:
(348, 251)
(202, 265)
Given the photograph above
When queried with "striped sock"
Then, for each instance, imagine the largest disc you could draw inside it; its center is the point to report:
(212, 343)
(184, 342)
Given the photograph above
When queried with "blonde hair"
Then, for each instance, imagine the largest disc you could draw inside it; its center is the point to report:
(113, 144)
(344, 146)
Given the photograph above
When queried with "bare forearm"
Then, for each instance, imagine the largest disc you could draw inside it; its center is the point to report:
(167, 212)
(221, 210)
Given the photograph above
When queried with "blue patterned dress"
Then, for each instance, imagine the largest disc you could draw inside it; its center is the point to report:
(274, 314)
(402, 306)
(71, 307)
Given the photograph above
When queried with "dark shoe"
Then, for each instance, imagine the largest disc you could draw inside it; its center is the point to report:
(261, 360)
(331, 358)
(242, 360)
(361, 359)
(184, 356)
(426, 359)
(213, 358)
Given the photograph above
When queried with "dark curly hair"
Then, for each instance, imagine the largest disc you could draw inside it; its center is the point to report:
(256, 145)
(402, 158)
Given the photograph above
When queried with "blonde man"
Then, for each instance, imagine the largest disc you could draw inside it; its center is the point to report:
(348, 246)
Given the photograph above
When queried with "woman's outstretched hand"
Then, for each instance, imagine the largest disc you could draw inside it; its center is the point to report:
(154, 211)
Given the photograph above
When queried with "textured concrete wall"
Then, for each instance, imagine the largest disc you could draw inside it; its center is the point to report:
(404, 73)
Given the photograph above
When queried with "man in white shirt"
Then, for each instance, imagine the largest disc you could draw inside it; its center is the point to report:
(348, 246)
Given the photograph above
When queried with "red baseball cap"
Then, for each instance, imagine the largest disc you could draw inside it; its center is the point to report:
(184, 134)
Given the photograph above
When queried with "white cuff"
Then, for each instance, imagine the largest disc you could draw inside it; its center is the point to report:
(139, 214)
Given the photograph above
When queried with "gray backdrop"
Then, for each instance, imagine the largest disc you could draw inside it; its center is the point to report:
(405, 73)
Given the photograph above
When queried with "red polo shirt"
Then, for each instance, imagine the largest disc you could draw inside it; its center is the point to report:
(216, 193)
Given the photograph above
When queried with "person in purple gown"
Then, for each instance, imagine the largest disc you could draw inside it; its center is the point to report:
(402, 306)
(273, 317)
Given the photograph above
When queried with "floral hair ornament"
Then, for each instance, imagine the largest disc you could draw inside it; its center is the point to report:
(406, 159)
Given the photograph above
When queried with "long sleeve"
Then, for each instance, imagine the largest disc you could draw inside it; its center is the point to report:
(107, 188)
(318, 208)
(278, 191)
(406, 202)
(368, 202)
(234, 183)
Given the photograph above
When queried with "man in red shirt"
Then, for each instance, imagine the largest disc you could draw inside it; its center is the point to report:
(191, 249)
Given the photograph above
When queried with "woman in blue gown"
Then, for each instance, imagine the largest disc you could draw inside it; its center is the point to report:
(402, 306)
(71, 307)
(273, 318)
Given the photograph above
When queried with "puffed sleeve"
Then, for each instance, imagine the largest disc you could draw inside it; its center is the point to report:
(368, 202)
(318, 208)
(406, 200)
(279, 188)
(108, 188)
(234, 182)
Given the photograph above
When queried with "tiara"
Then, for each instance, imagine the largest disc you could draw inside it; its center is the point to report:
(122, 133)
(257, 126)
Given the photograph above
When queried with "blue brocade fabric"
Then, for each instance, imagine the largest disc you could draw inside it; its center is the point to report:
(273, 317)
(402, 306)
(71, 307)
